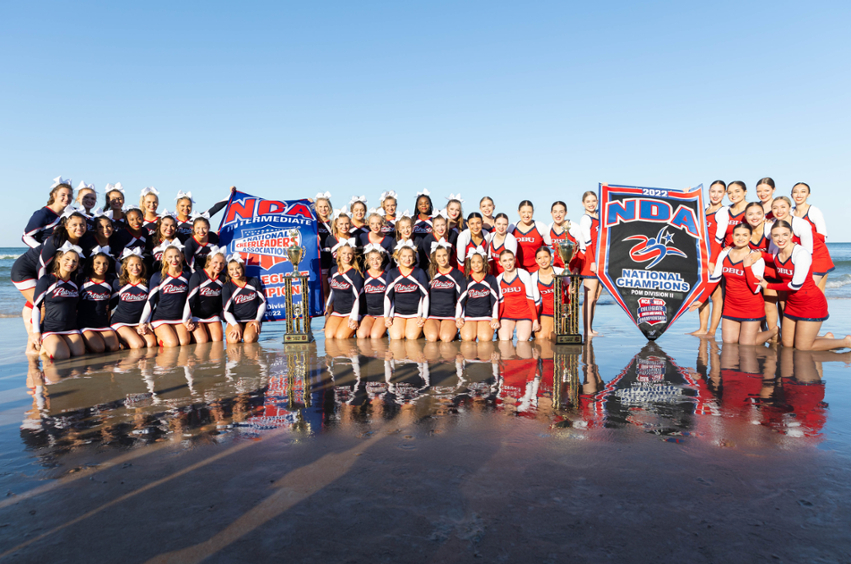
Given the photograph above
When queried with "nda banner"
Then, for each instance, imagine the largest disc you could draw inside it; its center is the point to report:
(652, 253)
(260, 230)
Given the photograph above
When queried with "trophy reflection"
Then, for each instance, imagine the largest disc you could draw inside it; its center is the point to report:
(297, 315)
(566, 310)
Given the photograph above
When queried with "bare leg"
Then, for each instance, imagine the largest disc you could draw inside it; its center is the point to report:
(331, 325)
(343, 329)
(717, 310)
(365, 328)
(379, 329)
(200, 333)
(506, 329)
(431, 329)
(821, 282)
(93, 341)
(167, 336)
(524, 331)
(214, 328)
(484, 331)
(468, 331)
(110, 339)
(412, 330)
(703, 313)
(55, 347)
(397, 328)
(448, 330)
(730, 331)
(807, 339)
(131, 338)
(547, 326)
(749, 333)
(249, 333)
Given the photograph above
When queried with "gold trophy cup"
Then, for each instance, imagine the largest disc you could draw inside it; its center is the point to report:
(566, 312)
(297, 315)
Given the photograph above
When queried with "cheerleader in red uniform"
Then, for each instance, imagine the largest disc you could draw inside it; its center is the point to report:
(802, 230)
(717, 191)
(561, 229)
(57, 334)
(486, 207)
(765, 193)
(530, 237)
(388, 203)
(760, 241)
(744, 307)
(446, 283)
(149, 202)
(41, 224)
(589, 226)
(729, 217)
(499, 240)
(822, 263)
(342, 309)
(806, 306)
(470, 238)
(544, 280)
(518, 307)
(374, 287)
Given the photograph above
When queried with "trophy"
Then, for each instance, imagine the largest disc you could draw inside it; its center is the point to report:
(297, 315)
(566, 310)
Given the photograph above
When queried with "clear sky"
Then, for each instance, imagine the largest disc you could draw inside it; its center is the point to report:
(538, 100)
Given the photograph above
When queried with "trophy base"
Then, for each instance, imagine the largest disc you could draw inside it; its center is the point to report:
(298, 338)
(568, 339)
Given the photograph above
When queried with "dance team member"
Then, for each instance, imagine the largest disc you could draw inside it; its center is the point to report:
(387, 201)
(589, 226)
(204, 298)
(169, 289)
(324, 217)
(95, 289)
(518, 308)
(41, 223)
(740, 271)
(822, 263)
(244, 303)
(499, 240)
(424, 210)
(472, 237)
(806, 306)
(57, 335)
(802, 230)
(342, 309)
(129, 296)
(406, 299)
(479, 303)
(729, 217)
(374, 287)
(486, 208)
(765, 194)
(444, 290)
(563, 229)
(148, 203)
(530, 237)
(358, 226)
(760, 240)
(544, 280)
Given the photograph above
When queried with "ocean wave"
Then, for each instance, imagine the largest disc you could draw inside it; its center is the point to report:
(843, 280)
(8, 257)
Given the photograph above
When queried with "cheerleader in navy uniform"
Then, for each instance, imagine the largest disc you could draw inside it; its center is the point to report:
(73, 228)
(440, 234)
(149, 201)
(244, 303)
(717, 191)
(744, 307)
(114, 205)
(589, 225)
(518, 308)
(169, 289)
(374, 287)
(478, 306)
(471, 238)
(375, 235)
(324, 211)
(129, 296)
(57, 335)
(358, 225)
(135, 236)
(41, 224)
(105, 236)
(185, 203)
(198, 246)
(446, 283)
(204, 300)
(93, 307)
(340, 224)
(87, 198)
(405, 234)
(388, 203)
(822, 263)
(806, 306)
(424, 210)
(544, 280)
(406, 300)
(342, 310)
(530, 237)
(165, 233)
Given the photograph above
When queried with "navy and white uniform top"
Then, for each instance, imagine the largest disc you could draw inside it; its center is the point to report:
(344, 295)
(59, 298)
(406, 296)
(386, 242)
(184, 228)
(243, 303)
(128, 303)
(126, 240)
(50, 247)
(480, 300)
(166, 299)
(204, 301)
(444, 292)
(93, 308)
(374, 288)
(323, 231)
(40, 227)
(195, 253)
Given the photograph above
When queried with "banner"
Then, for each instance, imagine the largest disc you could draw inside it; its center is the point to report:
(260, 230)
(652, 253)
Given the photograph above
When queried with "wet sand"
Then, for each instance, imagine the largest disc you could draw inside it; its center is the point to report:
(387, 452)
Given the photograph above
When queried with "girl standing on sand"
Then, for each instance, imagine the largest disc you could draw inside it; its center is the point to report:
(589, 226)
(342, 309)
(374, 287)
(561, 229)
(324, 210)
(822, 263)
(41, 223)
(518, 308)
(129, 296)
(479, 303)
(244, 303)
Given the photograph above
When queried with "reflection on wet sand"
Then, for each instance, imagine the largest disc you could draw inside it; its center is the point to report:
(211, 391)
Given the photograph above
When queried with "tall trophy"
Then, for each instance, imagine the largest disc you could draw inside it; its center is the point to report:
(297, 315)
(566, 311)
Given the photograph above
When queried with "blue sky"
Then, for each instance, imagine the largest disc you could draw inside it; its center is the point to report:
(515, 100)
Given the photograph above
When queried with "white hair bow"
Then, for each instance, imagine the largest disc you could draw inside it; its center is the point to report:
(182, 195)
(438, 244)
(150, 190)
(68, 246)
(456, 197)
(424, 193)
(100, 213)
(216, 250)
(84, 186)
(342, 211)
(134, 252)
(236, 257)
(373, 247)
(322, 196)
(350, 242)
(131, 207)
(357, 199)
(72, 209)
(385, 195)
(407, 214)
(59, 181)
(477, 251)
(100, 250)
(166, 213)
(173, 243)
(117, 187)
(375, 211)
(406, 243)
(442, 213)
(204, 215)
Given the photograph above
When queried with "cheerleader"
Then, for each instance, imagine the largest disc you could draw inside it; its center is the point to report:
(405, 232)
(802, 230)
(729, 217)
(129, 296)
(199, 245)
(499, 240)
(530, 237)
(340, 225)
(324, 212)
(589, 225)
(806, 306)
(759, 241)
(185, 203)
(134, 235)
(744, 308)
(486, 207)
(104, 234)
(445, 287)
(167, 298)
(561, 229)
(57, 335)
(114, 204)
(374, 287)
(455, 213)
(388, 204)
(822, 263)
(204, 299)
(149, 201)
(344, 299)
(73, 228)
(479, 303)
(765, 193)
(518, 307)
(166, 232)
(87, 197)
(406, 299)
(375, 235)
(358, 225)
(440, 234)
(424, 210)
(544, 281)
(42, 221)
(244, 303)
(470, 238)
(93, 307)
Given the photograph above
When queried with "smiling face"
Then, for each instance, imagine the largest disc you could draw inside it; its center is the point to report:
(68, 263)
(438, 226)
(406, 257)
(735, 194)
(755, 216)
(800, 193)
(780, 209)
(200, 229)
(453, 210)
(115, 199)
(487, 207)
(323, 209)
(174, 259)
(526, 213)
(423, 205)
(76, 227)
(543, 258)
(61, 198)
(389, 206)
(507, 262)
(764, 192)
(781, 236)
(405, 227)
(184, 208)
(87, 198)
(104, 228)
(501, 225)
(477, 264)
(150, 204)
(217, 265)
(134, 220)
(375, 224)
(716, 194)
(741, 237)
(374, 260)
(168, 227)
(358, 211)
(342, 225)
(133, 265)
(235, 270)
(441, 257)
(558, 212)
(346, 255)
(475, 225)
(100, 266)
(590, 203)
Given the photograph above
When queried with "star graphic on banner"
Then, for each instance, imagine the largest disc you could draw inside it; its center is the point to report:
(666, 240)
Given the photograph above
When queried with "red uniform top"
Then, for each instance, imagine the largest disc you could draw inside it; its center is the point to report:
(546, 305)
(743, 299)
(519, 298)
(726, 221)
(508, 243)
(528, 244)
(711, 229)
(822, 263)
(589, 227)
(804, 301)
(571, 235)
